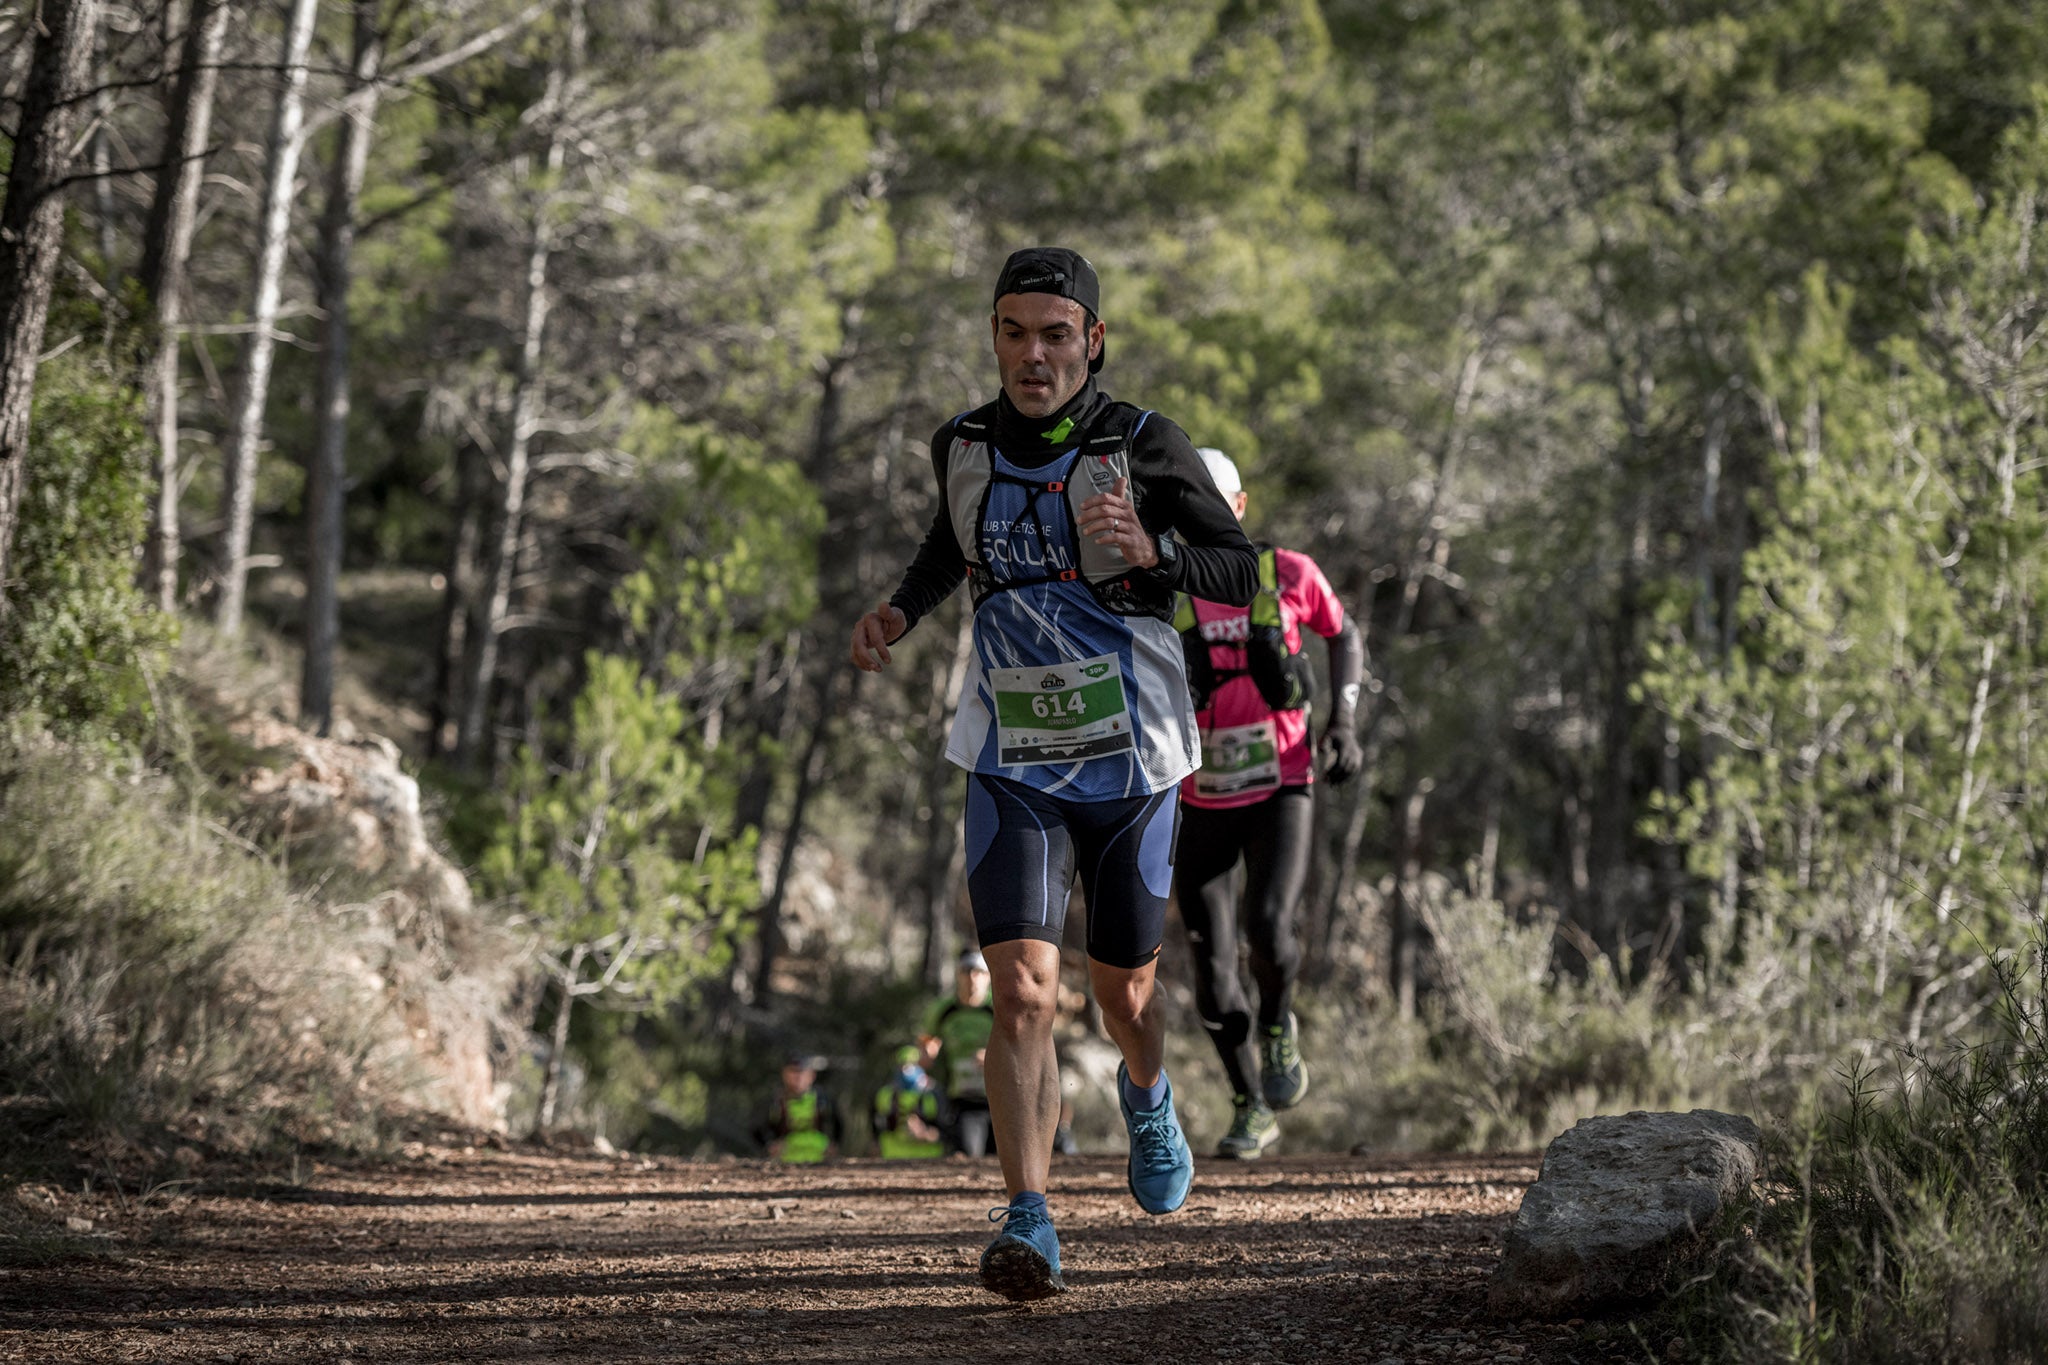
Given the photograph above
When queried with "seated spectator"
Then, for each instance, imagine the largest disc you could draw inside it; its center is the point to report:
(906, 1110)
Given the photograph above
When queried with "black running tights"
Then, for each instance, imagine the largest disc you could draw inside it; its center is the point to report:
(1273, 838)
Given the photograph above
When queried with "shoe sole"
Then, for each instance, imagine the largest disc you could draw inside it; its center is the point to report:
(1132, 1185)
(1240, 1154)
(1287, 1101)
(1015, 1271)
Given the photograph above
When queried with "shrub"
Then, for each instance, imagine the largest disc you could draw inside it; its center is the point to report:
(82, 644)
(613, 854)
(1910, 1223)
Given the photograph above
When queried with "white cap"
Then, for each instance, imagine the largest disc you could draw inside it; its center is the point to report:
(1221, 470)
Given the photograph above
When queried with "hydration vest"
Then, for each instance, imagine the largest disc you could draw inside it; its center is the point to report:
(1284, 678)
(1101, 460)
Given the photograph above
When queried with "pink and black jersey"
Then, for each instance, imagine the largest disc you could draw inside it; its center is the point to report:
(1250, 750)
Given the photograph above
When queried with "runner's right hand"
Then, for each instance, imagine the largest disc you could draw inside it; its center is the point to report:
(1342, 754)
(874, 633)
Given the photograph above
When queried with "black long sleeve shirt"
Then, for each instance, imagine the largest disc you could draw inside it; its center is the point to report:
(1170, 489)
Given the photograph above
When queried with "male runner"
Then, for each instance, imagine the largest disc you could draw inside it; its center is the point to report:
(1074, 518)
(1250, 799)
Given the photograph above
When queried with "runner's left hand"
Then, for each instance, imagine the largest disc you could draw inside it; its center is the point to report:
(1111, 520)
(1341, 753)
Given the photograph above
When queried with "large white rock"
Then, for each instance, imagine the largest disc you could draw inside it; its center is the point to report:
(1624, 1204)
(441, 972)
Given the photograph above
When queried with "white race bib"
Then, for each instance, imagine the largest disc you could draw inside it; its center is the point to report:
(1240, 759)
(1061, 713)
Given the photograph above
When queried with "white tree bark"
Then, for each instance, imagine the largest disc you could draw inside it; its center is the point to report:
(166, 249)
(281, 169)
(487, 619)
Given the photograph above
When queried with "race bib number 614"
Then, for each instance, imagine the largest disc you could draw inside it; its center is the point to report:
(1061, 713)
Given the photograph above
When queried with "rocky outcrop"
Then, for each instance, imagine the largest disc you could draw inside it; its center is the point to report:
(1625, 1204)
(420, 944)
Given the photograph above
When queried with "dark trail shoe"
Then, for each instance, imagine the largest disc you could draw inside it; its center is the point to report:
(1252, 1131)
(1023, 1262)
(1283, 1076)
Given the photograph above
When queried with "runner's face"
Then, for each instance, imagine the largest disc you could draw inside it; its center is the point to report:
(1043, 344)
(974, 982)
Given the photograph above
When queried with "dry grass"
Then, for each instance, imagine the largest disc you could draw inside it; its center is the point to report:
(178, 968)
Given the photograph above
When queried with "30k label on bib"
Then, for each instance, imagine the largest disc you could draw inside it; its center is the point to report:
(1061, 713)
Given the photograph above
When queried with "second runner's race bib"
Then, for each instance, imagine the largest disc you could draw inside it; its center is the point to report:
(1242, 758)
(1061, 713)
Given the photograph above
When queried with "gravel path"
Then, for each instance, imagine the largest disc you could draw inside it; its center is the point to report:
(458, 1254)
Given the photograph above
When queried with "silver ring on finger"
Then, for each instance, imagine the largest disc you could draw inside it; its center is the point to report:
(1112, 523)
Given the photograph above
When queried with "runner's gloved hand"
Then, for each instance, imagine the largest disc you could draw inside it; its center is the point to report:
(1341, 753)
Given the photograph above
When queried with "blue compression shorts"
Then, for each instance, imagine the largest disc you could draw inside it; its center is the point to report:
(1024, 846)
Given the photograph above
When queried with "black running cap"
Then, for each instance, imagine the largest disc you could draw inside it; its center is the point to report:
(1053, 270)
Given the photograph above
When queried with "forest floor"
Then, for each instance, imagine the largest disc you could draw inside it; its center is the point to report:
(473, 1254)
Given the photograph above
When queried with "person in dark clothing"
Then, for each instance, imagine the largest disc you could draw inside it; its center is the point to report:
(1250, 802)
(1074, 518)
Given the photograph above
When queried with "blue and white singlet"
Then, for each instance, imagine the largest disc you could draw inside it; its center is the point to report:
(1024, 531)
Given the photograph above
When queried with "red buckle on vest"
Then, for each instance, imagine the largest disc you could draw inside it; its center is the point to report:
(1056, 486)
(1068, 575)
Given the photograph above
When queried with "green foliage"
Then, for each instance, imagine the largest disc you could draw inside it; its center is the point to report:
(727, 543)
(613, 854)
(82, 646)
(1872, 728)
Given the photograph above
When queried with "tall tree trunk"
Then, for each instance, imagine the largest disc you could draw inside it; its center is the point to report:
(32, 233)
(166, 248)
(771, 707)
(1430, 545)
(489, 612)
(458, 591)
(768, 919)
(330, 445)
(280, 178)
(942, 824)
(103, 158)
(558, 1041)
(1404, 938)
(1614, 809)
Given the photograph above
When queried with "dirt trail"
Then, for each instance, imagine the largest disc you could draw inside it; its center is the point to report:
(460, 1255)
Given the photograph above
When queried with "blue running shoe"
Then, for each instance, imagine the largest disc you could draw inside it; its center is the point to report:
(1162, 1167)
(1023, 1262)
